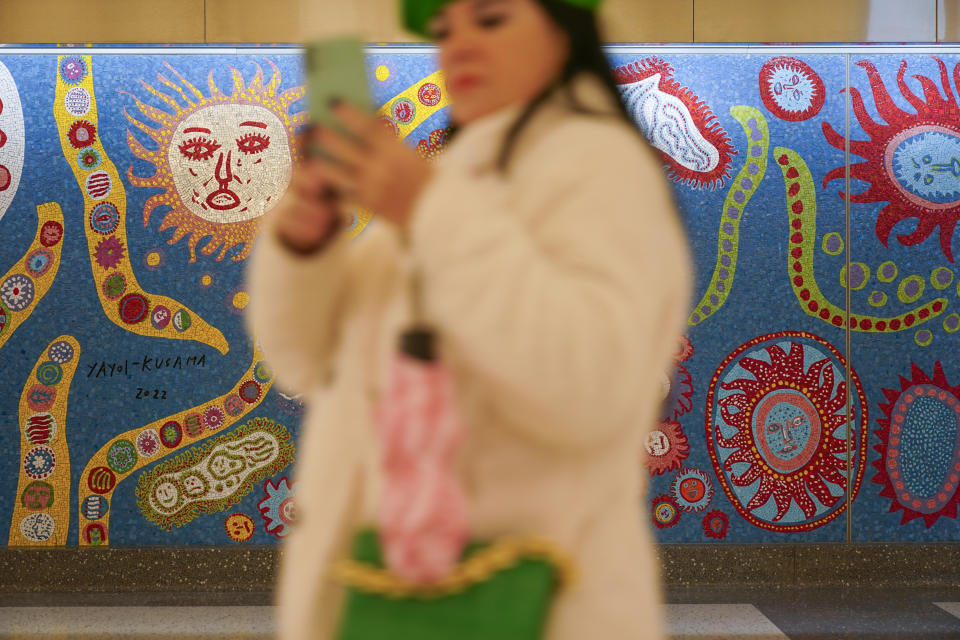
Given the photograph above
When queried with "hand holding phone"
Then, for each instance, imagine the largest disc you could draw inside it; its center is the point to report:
(367, 165)
(310, 212)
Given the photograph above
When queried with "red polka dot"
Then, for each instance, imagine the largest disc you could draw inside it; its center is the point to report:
(797, 223)
(881, 325)
(853, 322)
(813, 306)
(838, 321)
(894, 324)
(937, 306)
(866, 324)
(796, 238)
(793, 173)
(794, 189)
(797, 267)
(805, 294)
(824, 313)
(797, 252)
(909, 320)
(783, 159)
(924, 313)
(797, 207)
(798, 280)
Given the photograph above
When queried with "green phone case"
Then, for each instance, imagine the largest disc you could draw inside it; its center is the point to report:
(335, 69)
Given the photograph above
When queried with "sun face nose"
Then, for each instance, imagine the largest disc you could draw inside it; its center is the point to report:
(226, 175)
(223, 198)
(787, 434)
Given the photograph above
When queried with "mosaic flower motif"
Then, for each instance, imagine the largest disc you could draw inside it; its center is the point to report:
(109, 253)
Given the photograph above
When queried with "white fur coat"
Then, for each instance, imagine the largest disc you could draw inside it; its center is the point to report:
(559, 292)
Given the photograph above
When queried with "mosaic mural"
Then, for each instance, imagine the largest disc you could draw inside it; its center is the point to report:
(135, 410)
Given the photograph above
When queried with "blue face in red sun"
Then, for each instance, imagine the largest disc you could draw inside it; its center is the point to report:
(913, 161)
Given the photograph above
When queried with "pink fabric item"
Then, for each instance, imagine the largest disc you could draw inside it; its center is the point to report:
(423, 510)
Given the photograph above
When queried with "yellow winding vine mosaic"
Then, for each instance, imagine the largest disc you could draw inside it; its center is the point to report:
(123, 300)
(41, 512)
(25, 284)
(135, 448)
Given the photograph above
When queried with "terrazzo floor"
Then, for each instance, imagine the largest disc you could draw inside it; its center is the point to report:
(692, 614)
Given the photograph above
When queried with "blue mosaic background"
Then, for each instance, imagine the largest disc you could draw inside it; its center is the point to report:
(761, 300)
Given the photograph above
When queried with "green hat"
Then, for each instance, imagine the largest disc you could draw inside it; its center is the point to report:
(416, 13)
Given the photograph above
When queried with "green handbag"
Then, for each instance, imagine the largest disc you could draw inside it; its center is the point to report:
(501, 590)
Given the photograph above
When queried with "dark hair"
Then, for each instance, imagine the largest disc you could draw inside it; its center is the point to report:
(586, 55)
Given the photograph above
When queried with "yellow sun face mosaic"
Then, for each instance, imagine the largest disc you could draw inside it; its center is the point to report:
(221, 159)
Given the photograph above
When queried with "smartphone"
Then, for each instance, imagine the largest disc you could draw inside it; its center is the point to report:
(335, 68)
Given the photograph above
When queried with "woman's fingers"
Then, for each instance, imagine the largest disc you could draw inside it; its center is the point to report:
(344, 149)
(338, 176)
(358, 123)
(308, 181)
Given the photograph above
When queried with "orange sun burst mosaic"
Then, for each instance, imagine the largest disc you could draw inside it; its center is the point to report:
(221, 159)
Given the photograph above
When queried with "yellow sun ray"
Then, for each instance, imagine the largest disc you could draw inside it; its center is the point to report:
(41, 508)
(123, 300)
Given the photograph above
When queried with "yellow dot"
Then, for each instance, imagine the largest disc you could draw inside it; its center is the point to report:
(383, 72)
(206, 279)
(241, 299)
(153, 258)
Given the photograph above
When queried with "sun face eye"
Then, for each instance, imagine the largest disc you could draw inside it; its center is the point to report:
(198, 149)
(253, 142)
(773, 427)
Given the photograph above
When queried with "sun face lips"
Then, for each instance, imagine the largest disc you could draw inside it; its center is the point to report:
(222, 200)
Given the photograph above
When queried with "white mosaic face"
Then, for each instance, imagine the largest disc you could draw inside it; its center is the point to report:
(11, 139)
(166, 494)
(230, 162)
(193, 485)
